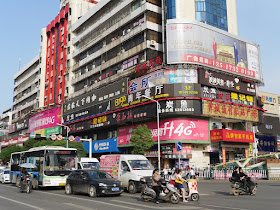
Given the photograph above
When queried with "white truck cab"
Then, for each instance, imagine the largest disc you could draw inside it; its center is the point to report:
(88, 163)
(128, 169)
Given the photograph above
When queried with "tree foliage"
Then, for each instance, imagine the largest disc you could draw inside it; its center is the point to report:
(5, 154)
(141, 139)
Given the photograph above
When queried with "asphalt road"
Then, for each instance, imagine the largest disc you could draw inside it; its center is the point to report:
(213, 195)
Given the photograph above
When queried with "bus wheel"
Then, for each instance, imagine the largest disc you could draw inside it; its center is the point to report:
(35, 183)
(17, 181)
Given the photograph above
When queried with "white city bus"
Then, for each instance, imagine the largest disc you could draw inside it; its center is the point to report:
(54, 164)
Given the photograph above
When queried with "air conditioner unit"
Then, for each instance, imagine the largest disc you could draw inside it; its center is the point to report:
(94, 137)
(86, 70)
(80, 73)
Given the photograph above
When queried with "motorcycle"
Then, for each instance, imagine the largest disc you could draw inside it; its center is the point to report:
(238, 188)
(168, 192)
(25, 185)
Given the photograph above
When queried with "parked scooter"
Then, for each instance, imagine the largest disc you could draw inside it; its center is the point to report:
(25, 185)
(168, 193)
(238, 188)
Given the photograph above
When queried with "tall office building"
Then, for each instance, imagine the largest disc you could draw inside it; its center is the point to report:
(218, 13)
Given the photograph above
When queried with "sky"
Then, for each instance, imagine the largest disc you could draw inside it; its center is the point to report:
(22, 22)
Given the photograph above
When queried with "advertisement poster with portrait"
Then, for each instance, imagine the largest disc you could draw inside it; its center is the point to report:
(193, 42)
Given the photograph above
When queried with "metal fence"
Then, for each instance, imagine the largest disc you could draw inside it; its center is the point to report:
(225, 174)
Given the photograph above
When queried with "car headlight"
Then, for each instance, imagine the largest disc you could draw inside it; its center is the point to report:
(102, 185)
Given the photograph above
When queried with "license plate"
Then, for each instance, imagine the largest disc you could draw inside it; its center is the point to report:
(61, 184)
(115, 189)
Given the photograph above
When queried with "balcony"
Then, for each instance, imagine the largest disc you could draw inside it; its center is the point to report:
(32, 73)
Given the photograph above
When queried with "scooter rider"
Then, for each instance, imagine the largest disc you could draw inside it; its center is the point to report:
(23, 174)
(243, 178)
(179, 184)
(156, 187)
(235, 175)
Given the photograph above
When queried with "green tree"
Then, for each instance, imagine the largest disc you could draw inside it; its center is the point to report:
(30, 143)
(141, 139)
(5, 154)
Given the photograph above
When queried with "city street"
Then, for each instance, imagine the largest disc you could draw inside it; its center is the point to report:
(213, 195)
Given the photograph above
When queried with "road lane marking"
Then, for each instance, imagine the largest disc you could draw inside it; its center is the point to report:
(78, 206)
(25, 204)
(83, 199)
(157, 207)
(224, 207)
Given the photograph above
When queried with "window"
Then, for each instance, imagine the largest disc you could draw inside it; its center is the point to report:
(171, 9)
(212, 12)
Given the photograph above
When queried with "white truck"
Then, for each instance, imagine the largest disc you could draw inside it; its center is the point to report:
(129, 169)
(88, 163)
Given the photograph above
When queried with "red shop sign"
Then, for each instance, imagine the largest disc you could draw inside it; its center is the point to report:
(231, 135)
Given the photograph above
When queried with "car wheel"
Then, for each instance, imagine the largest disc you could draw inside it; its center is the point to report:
(17, 181)
(92, 191)
(68, 189)
(131, 187)
(35, 183)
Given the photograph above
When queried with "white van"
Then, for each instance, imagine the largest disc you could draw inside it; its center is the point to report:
(88, 163)
(128, 169)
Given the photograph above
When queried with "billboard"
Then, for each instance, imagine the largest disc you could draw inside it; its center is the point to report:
(170, 129)
(270, 102)
(193, 42)
(232, 135)
(166, 76)
(236, 84)
(95, 97)
(46, 119)
(266, 143)
(100, 146)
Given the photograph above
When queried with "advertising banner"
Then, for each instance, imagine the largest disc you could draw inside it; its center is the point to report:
(270, 102)
(13, 141)
(193, 42)
(270, 125)
(232, 97)
(54, 130)
(170, 129)
(230, 111)
(21, 124)
(108, 145)
(231, 135)
(211, 78)
(267, 143)
(46, 119)
(95, 97)
(165, 76)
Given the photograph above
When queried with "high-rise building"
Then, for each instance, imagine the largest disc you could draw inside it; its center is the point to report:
(218, 13)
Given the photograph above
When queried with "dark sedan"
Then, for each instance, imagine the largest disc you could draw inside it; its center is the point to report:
(92, 182)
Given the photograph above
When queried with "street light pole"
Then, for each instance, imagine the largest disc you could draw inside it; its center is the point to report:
(158, 108)
(67, 131)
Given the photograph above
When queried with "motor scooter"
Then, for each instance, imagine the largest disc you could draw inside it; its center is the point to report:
(25, 185)
(238, 188)
(168, 192)
(191, 190)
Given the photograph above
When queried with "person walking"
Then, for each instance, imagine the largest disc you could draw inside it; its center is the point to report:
(156, 186)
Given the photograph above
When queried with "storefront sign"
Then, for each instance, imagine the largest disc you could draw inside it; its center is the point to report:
(232, 135)
(95, 97)
(21, 124)
(270, 103)
(266, 143)
(180, 107)
(186, 150)
(89, 111)
(166, 149)
(196, 43)
(149, 66)
(165, 76)
(232, 97)
(13, 141)
(46, 119)
(224, 155)
(54, 130)
(230, 111)
(235, 84)
(151, 153)
(100, 146)
(271, 125)
(187, 90)
(170, 129)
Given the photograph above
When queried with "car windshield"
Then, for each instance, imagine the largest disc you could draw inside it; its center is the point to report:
(6, 172)
(99, 175)
(92, 165)
(140, 165)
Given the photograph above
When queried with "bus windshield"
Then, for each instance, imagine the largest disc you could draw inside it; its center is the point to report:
(60, 162)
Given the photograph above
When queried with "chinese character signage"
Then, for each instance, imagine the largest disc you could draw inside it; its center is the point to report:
(180, 107)
(270, 125)
(270, 103)
(231, 135)
(211, 78)
(231, 97)
(171, 129)
(187, 90)
(95, 97)
(166, 76)
(191, 42)
(230, 111)
(266, 143)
